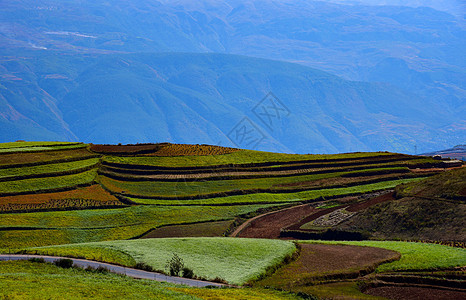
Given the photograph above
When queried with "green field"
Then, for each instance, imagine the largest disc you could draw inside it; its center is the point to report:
(64, 227)
(414, 256)
(19, 280)
(48, 168)
(37, 184)
(37, 148)
(13, 145)
(238, 157)
(191, 188)
(233, 259)
(280, 198)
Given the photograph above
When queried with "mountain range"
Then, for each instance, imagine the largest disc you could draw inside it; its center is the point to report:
(339, 77)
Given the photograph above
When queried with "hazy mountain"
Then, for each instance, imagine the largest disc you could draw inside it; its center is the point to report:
(417, 49)
(204, 98)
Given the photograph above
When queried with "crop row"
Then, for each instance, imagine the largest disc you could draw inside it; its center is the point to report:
(64, 227)
(209, 189)
(48, 184)
(47, 170)
(20, 160)
(94, 195)
(162, 149)
(265, 198)
(64, 204)
(36, 144)
(40, 148)
(242, 157)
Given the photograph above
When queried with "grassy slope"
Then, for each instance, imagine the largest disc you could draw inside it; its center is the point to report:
(233, 259)
(64, 227)
(19, 280)
(448, 185)
(414, 256)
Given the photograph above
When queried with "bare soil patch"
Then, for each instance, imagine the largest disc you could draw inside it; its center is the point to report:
(379, 199)
(268, 226)
(206, 229)
(324, 262)
(412, 293)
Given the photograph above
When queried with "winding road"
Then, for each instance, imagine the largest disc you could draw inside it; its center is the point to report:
(135, 273)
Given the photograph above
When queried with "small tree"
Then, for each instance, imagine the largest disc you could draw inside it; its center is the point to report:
(175, 265)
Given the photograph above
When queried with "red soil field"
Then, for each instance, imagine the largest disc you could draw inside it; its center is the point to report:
(268, 225)
(93, 195)
(414, 293)
(205, 229)
(317, 262)
(163, 149)
(379, 199)
(18, 159)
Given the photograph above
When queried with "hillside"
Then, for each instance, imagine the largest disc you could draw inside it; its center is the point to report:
(431, 209)
(457, 152)
(181, 184)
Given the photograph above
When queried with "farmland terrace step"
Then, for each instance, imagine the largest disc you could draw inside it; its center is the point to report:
(214, 175)
(48, 174)
(258, 191)
(375, 159)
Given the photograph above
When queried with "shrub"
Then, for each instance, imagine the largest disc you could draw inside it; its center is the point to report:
(187, 272)
(144, 266)
(37, 260)
(175, 265)
(64, 263)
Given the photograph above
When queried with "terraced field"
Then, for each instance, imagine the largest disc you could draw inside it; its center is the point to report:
(90, 200)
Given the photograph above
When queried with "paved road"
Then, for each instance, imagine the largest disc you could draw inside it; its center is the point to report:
(135, 273)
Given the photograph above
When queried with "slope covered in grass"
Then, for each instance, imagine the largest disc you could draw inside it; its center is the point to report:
(233, 259)
(23, 279)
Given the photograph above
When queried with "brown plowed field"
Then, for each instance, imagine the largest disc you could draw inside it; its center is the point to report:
(379, 199)
(92, 196)
(415, 293)
(319, 262)
(206, 229)
(244, 174)
(163, 149)
(268, 226)
(41, 158)
(351, 208)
